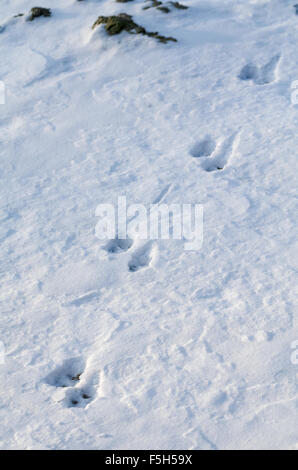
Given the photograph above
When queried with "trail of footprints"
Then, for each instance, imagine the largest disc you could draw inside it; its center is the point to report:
(216, 155)
(80, 390)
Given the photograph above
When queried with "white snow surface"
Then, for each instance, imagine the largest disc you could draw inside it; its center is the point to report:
(192, 351)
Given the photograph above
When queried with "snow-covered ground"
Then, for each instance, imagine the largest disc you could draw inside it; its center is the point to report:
(193, 351)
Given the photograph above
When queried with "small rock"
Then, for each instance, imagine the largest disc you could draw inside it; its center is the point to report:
(36, 12)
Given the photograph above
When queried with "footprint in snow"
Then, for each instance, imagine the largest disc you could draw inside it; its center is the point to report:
(261, 75)
(142, 258)
(67, 375)
(80, 388)
(78, 397)
(203, 148)
(249, 72)
(118, 245)
(83, 393)
(215, 156)
(224, 154)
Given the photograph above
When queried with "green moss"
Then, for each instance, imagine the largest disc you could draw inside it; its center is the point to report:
(116, 24)
(123, 22)
(164, 9)
(163, 6)
(179, 5)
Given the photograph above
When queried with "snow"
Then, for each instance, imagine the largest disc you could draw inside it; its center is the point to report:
(193, 350)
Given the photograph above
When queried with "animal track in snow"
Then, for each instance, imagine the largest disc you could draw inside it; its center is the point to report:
(249, 72)
(83, 393)
(268, 72)
(79, 397)
(118, 245)
(80, 388)
(141, 258)
(204, 148)
(261, 75)
(68, 374)
(225, 153)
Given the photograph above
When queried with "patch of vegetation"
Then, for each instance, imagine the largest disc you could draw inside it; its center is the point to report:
(36, 12)
(123, 22)
(154, 4)
(179, 5)
(165, 7)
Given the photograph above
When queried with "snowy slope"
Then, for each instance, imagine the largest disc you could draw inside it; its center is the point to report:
(192, 351)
